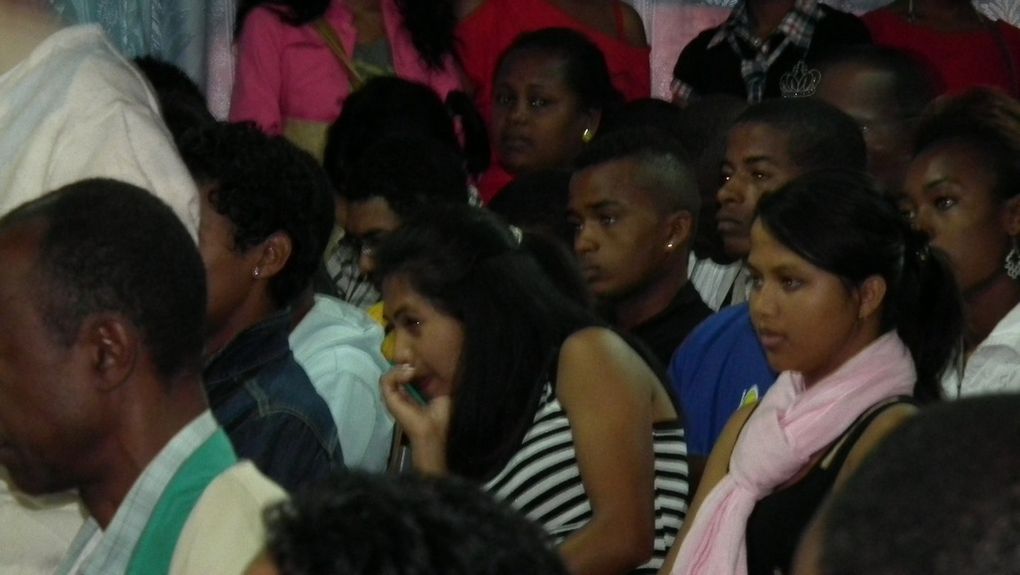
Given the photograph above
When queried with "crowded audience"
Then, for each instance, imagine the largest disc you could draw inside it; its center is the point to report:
(466, 287)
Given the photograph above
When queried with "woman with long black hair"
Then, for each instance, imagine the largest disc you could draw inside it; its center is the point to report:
(521, 389)
(861, 319)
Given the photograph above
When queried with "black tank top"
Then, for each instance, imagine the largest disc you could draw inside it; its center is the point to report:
(778, 520)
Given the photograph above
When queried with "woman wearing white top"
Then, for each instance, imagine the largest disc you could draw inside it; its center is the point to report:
(963, 189)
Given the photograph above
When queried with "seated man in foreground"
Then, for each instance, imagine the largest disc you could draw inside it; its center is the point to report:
(104, 300)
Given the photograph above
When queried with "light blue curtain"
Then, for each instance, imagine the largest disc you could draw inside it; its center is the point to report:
(193, 34)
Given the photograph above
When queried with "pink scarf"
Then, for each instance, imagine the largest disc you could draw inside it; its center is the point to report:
(789, 427)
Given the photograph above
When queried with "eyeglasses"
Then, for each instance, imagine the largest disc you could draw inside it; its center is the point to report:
(364, 246)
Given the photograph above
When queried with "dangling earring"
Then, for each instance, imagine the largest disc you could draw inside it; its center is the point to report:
(1013, 261)
(587, 135)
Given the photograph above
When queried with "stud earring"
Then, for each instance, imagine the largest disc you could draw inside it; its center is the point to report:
(1013, 261)
(255, 273)
(669, 245)
(587, 135)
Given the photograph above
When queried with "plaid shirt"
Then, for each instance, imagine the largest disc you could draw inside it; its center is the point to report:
(350, 283)
(112, 552)
(757, 55)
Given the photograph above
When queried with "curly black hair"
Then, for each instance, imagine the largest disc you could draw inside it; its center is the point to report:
(265, 185)
(359, 523)
(410, 173)
(389, 106)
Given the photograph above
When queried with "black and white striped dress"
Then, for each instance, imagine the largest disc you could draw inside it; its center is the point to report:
(543, 481)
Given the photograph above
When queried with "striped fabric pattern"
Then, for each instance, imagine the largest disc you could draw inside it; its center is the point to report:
(543, 481)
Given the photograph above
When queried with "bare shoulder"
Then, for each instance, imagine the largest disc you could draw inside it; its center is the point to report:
(598, 354)
(596, 349)
(592, 340)
(884, 423)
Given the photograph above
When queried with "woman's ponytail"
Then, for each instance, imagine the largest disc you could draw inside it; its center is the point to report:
(928, 313)
(839, 221)
(475, 138)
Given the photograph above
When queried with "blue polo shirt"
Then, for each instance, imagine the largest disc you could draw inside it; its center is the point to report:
(720, 368)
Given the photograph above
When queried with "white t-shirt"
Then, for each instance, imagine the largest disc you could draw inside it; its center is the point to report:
(75, 109)
(994, 365)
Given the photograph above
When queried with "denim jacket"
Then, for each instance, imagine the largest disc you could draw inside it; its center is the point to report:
(268, 407)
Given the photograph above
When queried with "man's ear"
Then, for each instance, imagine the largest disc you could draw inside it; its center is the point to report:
(681, 229)
(274, 253)
(872, 294)
(112, 345)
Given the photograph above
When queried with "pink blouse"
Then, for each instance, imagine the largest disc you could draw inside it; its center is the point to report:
(285, 71)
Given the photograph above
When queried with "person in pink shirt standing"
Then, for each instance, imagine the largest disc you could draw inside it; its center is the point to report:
(298, 60)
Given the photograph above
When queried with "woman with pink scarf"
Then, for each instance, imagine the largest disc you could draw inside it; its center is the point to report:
(861, 319)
